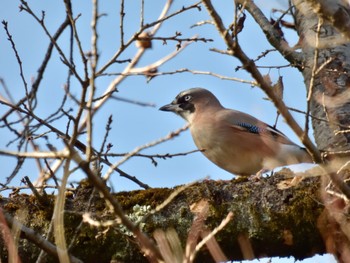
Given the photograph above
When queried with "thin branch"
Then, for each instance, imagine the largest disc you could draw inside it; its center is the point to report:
(317, 118)
(146, 244)
(272, 35)
(9, 240)
(161, 61)
(26, 187)
(37, 239)
(58, 216)
(177, 38)
(42, 199)
(142, 14)
(108, 128)
(195, 72)
(69, 13)
(167, 201)
(48, 54)
(164, 18)
(21, 120)
(42, 67)
(140, 148)
(122, 15)
(135, 60)
(20, 162)
(78, 228)
(152, 156)
(156, 25)
(139, 103)
(313, 75)
(77, 143)
(26, 8)
(36, 154)
(19, 61)
(93, 65)
(111, 88)
(223, 223)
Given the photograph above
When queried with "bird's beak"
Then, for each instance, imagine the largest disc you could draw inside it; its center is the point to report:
(170, 107)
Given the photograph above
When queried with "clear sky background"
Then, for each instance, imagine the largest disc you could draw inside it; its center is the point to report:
(134, 125)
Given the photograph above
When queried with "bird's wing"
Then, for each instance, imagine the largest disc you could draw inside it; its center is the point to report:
(247, 123)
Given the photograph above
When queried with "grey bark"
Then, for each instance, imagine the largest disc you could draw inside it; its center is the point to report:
(330, 89)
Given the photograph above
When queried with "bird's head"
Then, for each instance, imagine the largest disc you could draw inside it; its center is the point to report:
(189, 102)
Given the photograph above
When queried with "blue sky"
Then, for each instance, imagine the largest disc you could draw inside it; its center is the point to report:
(134, 125)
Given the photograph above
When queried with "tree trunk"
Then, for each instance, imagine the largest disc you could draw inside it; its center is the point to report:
(323, 27)
(327, 80)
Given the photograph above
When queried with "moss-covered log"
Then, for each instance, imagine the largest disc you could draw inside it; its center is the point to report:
(279, 221)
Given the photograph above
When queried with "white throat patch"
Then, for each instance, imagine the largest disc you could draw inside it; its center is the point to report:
(187, 115)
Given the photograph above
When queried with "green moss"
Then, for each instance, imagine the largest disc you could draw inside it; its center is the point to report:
(152, 197)
(11, 207)
(260, 210)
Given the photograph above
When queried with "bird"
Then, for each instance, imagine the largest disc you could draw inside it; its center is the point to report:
(233, 140)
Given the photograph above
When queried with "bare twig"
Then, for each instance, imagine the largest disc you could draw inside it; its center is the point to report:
(130, 41)
(272, 35)
(178, 39)
(160, 61)
(19, 61)
(142, 14)
(26, 8)
(195, 72)
(108, 128)
(147, 246)
(78, 228)
(321, 119)
(21, 120)
(19, 188)
(313, 75)
(8, 239)
(140, 148)
(69, 13)
(93, 66)
(245, 246)
(43, 200)
(140, 103)
(37, 239)
(77, 143)
(36, 154)
(42, 67)
(169, 199)
(223, 223)
(152, 156)
(122, 15)
(58, 216)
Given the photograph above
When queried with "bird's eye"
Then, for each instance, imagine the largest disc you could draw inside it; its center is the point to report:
(187, 97)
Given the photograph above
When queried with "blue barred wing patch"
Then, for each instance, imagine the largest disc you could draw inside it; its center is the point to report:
(258, 130)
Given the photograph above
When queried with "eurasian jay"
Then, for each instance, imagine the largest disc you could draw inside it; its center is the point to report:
(233, 140)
